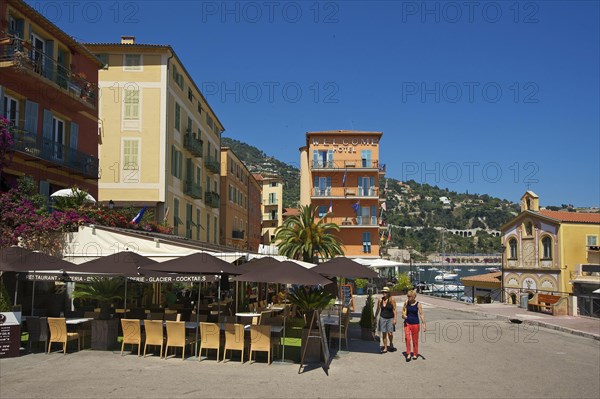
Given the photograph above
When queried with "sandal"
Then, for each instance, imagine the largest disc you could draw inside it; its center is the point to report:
(384, 351)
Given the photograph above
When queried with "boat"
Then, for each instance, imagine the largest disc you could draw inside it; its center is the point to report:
(446, 277)
(433, 269)
(492, 269)
(456, 270)
(421, 269)
(472, 270)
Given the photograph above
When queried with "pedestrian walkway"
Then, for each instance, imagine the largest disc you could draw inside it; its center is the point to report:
(583, 326)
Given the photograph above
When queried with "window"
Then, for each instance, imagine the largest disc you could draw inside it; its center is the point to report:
(58, 138)
(104, 59)
(11, 110)
(130, 159)
(592, 241)
(529, 229)
(365, 156)
(132, 62)
(176, 219)
(209, 121)
(176, 162)
(177, 77)
(198, 224)
(512, 244)
(546, 248)
(131, 99)
(177, 116)
(216, 224)
(366, 186)
(322, 211)
(322, 158)
(274, 184)
(366, 238)
(199, 107)
(207, 227)
(190, 95)
(188, 220)
(189, 125)
(272, 198)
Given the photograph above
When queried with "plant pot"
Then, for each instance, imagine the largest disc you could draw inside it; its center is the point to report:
(105, 334)
(360, 291)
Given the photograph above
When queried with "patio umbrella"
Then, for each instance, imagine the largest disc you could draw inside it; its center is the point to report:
(343, 267)
(22, 260)
(198, 263)
(124, 263)
(67, 192)
(283, 273)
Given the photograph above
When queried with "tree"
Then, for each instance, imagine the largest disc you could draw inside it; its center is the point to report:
(307, 237)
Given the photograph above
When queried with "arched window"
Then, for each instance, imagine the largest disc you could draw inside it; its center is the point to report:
(512, 244)
(546, 248)
(529, 228)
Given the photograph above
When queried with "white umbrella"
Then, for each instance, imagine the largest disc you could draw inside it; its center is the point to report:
(68, 192)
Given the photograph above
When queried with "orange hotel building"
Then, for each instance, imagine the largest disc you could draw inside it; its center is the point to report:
(340, 169)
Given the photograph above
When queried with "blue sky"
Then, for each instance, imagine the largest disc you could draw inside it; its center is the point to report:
(484, 97)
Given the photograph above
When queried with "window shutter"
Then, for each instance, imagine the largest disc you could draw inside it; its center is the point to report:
(179, 164)
(31, 117)
(74, 137)
(328, 181)
(173, 170)
(315, 158)
(49, 67)
(2, 101)
(20, 28)
(316, 182)
(47, 125)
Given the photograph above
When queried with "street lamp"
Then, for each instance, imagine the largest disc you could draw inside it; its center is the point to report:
(410, 273)
(111, 204)
(503, 248)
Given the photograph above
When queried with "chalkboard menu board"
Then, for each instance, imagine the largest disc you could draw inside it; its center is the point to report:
(347, 299)
(10, 334)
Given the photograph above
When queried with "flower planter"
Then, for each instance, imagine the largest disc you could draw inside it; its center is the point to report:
(105, 334)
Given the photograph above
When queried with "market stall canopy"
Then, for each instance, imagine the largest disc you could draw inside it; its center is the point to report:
(344, 267)
(282, 273)
(198, 263)
(17, 259)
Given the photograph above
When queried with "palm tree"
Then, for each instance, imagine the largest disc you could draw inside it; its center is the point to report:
(76, 200)
(305, 236)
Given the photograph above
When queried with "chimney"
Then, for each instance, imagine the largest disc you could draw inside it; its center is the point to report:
(127, 39)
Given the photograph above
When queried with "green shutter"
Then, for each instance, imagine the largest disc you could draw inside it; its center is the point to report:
(74, 136)
(31, 117)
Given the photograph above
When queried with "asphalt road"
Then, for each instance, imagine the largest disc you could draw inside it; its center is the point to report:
(465, 356)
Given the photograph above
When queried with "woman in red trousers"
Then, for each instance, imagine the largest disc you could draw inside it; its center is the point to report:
(412, 313)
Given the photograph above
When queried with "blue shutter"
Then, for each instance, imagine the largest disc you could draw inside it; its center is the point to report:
(31, 117)
(47, 125)
(315, 158)
(2, 101)
(328, 182)
(316, 181)
(20, 28)
(330, 158)
(74, 136)
(179, 164)
(49, 61)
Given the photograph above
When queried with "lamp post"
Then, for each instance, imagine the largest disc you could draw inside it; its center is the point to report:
(503, 248)
(410, 273)
(111, 204)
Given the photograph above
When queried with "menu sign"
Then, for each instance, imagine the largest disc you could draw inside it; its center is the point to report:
(10, 334)
(347, 299)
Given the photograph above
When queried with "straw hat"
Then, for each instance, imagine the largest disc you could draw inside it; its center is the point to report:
(385, 289)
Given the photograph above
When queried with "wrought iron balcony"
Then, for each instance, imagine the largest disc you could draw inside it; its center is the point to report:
(348, 164)
(270, 217)
(55, 153)
(211, 199)
(237, 234)
(193, 145)
(22, 57)
(192, 189)
(212, 165)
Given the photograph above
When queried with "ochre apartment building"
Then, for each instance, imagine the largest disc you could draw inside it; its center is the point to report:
(48, 90)
(340, 174)
(161, 139)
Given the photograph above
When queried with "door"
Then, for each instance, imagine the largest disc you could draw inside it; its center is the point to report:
(37, 54)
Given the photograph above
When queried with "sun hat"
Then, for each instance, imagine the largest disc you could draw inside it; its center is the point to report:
(386, 289)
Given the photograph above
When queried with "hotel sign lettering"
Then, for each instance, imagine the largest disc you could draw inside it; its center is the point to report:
(344, 144)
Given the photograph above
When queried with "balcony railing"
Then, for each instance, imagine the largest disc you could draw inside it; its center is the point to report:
(212, 165)
(55, 153)
(22, 56)
(271, 202)
(353, 221)
(345, 192)
(269, 217)
(192, 189)
(237, 234)
(193, 145)
(211, 199)
(347, 164)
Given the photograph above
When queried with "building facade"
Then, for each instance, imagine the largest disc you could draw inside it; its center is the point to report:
(340, 174)
(254, 214)
(161, 139)
(544, 250)
(235, 201)
(272, 206)
(48, 90)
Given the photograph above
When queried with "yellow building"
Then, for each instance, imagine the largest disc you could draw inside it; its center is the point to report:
(161, 140)
(234, 218)
(272, 206)
(544, 249)
(339, 174)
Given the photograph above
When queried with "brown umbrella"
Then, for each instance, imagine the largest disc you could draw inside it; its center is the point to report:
(17, 259)
(283, 273)
(344, 267)
(125, 263)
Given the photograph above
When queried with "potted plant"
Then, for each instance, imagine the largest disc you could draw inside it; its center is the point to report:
(308, 300)
(103, 290)
(360, 284)
(403, 285)
(367, 320)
